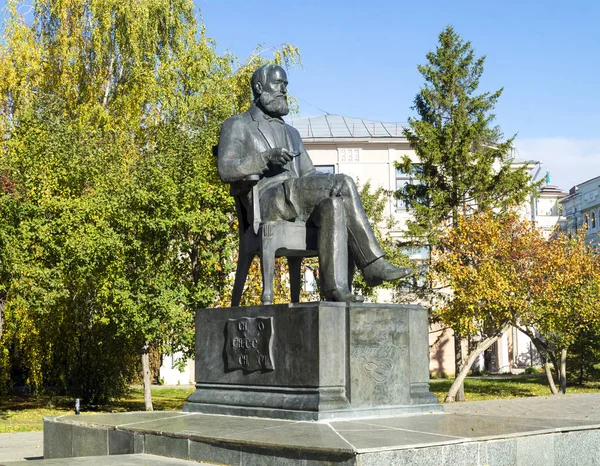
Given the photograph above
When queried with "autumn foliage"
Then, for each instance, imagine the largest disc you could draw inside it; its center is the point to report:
(497, 271)
(487, 261)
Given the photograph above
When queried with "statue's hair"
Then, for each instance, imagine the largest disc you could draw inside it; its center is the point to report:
(260, 76)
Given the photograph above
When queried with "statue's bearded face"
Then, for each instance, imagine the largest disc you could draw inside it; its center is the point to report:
(273, 99)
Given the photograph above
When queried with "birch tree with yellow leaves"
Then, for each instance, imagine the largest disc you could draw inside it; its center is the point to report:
(115, 225)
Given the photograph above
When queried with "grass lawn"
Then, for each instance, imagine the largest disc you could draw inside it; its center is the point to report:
(24, 413)
(507, 387)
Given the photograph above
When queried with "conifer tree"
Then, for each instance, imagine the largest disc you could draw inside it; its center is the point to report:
(465, 164)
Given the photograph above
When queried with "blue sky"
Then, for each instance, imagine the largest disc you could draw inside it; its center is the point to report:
(360, 59)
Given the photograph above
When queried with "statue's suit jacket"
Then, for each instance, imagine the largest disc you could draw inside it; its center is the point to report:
(244, 138)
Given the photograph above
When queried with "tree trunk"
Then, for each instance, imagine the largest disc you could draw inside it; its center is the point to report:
(563, 371)
(458, 367)
(544, 351)
(1, 317)
(147, 381)
(581, 362)
(550, 377)
(556, 364)
(108, 82)
(460, 377)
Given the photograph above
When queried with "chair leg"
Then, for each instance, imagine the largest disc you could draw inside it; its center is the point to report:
(267, 267)
(241, 273)
(295, 268)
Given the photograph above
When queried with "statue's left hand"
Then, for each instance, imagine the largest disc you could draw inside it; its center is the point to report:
(336, 188)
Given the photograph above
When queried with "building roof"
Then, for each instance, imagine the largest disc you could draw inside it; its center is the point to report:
(343, 127)
(575, 188)
(552, 191)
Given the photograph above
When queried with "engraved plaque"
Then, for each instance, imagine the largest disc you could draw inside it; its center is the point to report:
(248, 344)
(379, 355)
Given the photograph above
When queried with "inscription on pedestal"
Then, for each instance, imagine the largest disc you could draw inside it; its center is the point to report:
(248, 344)
(379, 360)
(379, 354)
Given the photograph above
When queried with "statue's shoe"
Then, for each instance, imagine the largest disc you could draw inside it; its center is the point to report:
(382, 271)
(343, 296)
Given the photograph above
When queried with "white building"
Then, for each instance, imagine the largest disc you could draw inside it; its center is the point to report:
(582, 206)
(546, 209)
(172, 373)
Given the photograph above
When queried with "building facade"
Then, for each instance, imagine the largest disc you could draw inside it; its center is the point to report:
(581, 207)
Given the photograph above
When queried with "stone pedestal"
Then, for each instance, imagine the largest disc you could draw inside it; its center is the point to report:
(312, 361)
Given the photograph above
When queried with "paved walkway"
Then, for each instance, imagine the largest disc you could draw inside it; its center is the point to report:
(577, 407)
(119, 460)
(22, 445)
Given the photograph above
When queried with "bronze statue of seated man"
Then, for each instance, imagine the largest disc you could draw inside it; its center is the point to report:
(259, 144)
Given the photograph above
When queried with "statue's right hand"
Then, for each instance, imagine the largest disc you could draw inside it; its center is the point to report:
(279, 156)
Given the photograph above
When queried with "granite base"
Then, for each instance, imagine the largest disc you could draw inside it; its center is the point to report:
(549, 431)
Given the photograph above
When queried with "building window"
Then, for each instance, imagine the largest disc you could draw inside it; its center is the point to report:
(329, 169)
(403, 179)
(349, 155)
(593, 220)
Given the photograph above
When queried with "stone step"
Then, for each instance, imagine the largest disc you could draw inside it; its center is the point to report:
(549, 431)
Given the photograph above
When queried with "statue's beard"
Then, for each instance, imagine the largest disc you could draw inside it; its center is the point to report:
(274, 105)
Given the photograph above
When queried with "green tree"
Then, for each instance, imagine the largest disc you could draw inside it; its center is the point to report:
(464, 164)
(121, 227)
(60, 257)
(584, 356)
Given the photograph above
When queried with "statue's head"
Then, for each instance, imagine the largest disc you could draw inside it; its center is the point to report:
(269, 86)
